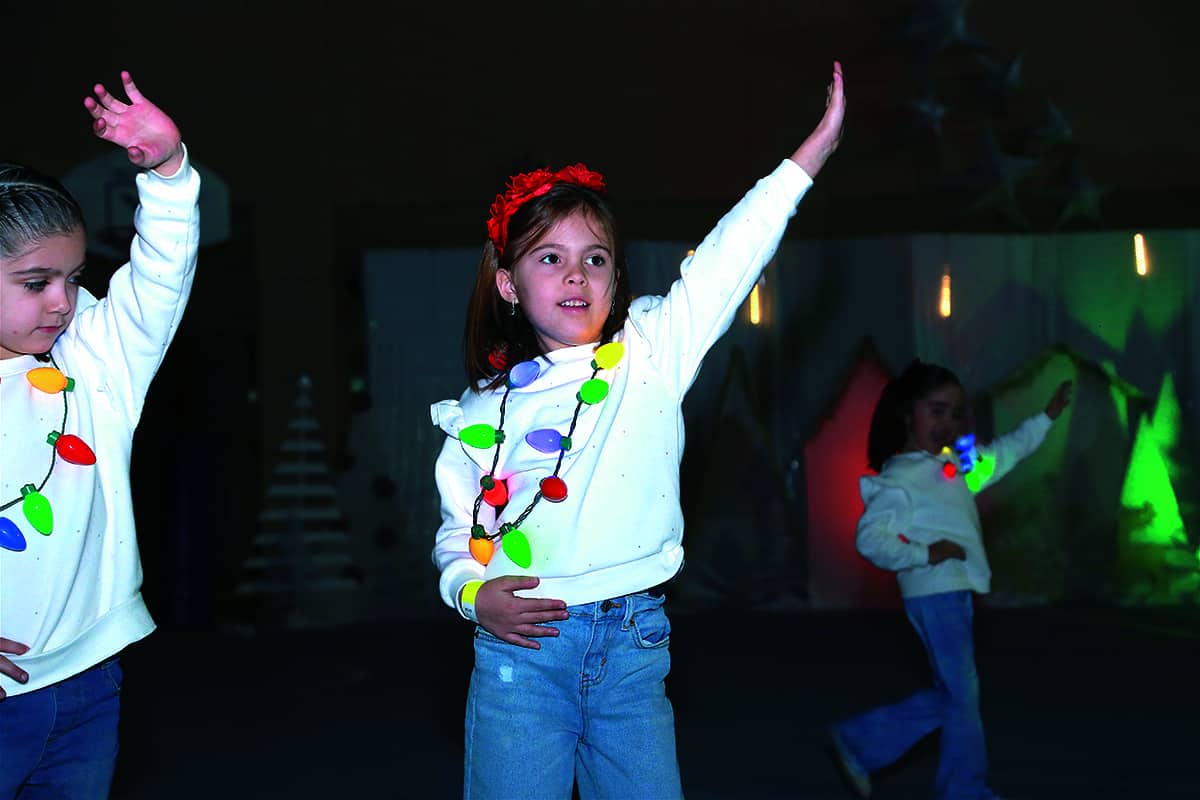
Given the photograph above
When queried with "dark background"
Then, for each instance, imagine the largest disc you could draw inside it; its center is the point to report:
(342, 127)
(339, 127)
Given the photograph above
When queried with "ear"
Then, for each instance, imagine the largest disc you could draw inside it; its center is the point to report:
(505, 285)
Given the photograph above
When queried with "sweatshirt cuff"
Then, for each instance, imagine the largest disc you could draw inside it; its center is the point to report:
(465, 601)
(455, 576)
(1041, 422)
(180, 174)
(793, 177)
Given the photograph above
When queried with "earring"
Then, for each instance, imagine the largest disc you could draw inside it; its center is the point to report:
(513, 312)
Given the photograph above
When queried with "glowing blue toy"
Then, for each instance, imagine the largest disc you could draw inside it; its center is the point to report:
(968, 456)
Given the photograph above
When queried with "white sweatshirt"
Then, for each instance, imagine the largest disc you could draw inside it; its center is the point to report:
(911, 504)
(74, 596)
(620, 528)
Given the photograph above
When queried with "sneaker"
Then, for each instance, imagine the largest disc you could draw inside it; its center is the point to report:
(858, 778)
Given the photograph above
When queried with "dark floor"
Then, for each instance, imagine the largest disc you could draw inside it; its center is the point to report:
(1096, 704)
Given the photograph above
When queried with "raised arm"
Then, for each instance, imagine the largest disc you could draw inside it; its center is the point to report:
(998, 457)
(716, 278)
(131, 328)
(825, 138)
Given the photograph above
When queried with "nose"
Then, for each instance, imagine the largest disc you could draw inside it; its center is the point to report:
(575, 275)
(58, 299)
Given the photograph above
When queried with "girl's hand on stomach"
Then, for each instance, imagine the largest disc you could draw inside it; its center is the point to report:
(512, 619)
(9, 668)
(943, 549)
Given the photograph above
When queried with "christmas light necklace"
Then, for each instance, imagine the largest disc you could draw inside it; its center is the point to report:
(494, 491)
(976, 468)
(69, 446)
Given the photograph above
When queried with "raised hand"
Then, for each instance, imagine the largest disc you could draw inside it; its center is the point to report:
(824, 139)
(1060, 400)
(512, 618)
(148, 135)
(9, 668)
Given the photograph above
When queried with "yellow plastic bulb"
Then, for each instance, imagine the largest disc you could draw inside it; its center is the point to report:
(608, 355)
(49, 380)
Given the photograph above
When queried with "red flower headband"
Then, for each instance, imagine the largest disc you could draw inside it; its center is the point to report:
(528, 185)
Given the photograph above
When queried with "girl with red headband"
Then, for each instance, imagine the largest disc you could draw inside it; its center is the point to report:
(559, 476)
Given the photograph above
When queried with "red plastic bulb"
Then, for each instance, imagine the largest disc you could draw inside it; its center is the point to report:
(71, 448)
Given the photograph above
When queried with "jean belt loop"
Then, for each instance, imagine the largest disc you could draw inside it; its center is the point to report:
(627, 617)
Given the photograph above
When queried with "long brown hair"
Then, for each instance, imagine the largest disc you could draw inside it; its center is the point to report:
(492, 327)
(889, 421)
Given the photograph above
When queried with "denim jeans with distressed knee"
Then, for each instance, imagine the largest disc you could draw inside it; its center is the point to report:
(589, 707)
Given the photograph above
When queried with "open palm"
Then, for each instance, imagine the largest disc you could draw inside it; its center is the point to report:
(148, 135)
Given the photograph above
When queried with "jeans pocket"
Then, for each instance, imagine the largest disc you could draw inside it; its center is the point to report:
(482, 634)
(649, 625)
(116, 675)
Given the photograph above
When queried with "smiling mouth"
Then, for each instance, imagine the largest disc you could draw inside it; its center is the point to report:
(573, 304)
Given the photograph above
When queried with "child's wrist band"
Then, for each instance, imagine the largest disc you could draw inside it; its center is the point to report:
(466, 599)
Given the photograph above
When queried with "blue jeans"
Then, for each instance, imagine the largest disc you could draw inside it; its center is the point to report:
(590, 707)
(880, 736)
(60, 741)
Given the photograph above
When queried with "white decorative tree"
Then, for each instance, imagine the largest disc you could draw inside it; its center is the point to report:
(300, 561)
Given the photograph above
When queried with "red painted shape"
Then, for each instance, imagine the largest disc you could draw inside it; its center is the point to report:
(835, 457)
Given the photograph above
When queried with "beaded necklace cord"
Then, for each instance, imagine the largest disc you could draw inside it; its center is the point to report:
(493, 490)
(70, 447)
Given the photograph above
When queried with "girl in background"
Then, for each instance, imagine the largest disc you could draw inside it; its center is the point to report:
(920, 522)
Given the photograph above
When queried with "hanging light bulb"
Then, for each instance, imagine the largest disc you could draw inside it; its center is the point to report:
(1141, 260)
(49, 380)
(11, 537)
(755, 306)
(37, 509)
(944, 299)
(71, 448)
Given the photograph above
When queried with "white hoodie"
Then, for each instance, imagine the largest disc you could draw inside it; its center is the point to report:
(74, 596)
(911, 504)
(620, 529)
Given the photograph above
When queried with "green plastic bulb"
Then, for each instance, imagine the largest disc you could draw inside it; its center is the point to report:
(977, 477)
(516, 547)
(482, 436)
(593, 391)
(37, 509)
